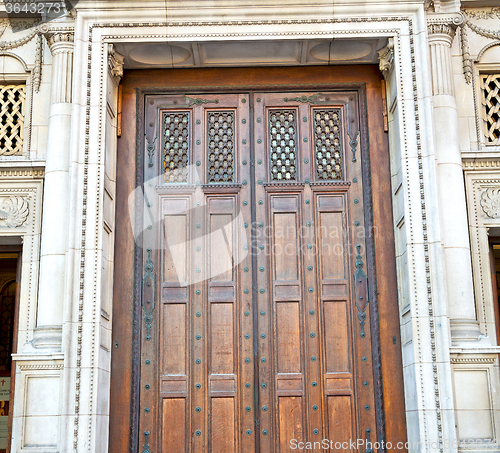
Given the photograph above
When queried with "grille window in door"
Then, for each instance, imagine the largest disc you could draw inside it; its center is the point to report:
(254, 294)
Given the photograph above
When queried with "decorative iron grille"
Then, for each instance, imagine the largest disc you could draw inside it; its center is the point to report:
(175, 130)
(282, 144)
(176, 146)
(11, 119)
(220, 133)
(328, 150)
(490, 84)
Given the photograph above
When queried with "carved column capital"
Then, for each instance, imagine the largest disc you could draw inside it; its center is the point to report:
(115, 64)
(386, 58)
(60, 37)
(443, 27)
(436, 28)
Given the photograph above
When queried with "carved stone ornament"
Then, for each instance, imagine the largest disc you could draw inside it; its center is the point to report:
(6, 45)
(492, 13)
(60, 37)
(441, 28)
(386, 58)
(466, 59)
(14, 211)
(115, 63)
(490, 202)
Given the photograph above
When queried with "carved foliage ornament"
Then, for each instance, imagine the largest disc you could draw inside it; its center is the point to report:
(441, 28)
(14, 211)
(60, 37)
(115, 63)
(484, 14)
(490, 202)
(386, 58)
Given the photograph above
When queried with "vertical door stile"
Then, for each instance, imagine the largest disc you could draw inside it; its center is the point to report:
(260, 247)
(310, 287)
(245, 271)
(149, 290)
(197, 345)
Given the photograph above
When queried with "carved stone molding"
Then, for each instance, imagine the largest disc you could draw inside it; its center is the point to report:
(466, 59)
(14, 211)
(386, 58)
(490, 202)
(115, 64)
(23, 367)
(22, 173)
(60, 37)
(469, 360)
(493, 13)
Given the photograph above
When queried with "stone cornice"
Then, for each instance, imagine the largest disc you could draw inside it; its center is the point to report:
(23, 172)
(481, 163)
(474, 355)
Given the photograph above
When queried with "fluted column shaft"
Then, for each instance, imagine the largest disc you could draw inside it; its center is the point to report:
(451, 188)
(54, 238)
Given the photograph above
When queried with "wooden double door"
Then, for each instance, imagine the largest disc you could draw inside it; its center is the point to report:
(254, 331)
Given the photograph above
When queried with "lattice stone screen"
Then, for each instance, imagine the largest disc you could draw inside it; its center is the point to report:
(12, 119)
(490, 85)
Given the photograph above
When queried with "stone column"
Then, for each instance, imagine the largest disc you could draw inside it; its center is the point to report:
(450, 184)
(54, 234)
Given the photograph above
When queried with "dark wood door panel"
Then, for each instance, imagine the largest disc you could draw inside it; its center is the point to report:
(259, 332)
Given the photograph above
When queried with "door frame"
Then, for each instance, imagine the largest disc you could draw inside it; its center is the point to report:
(386, 346)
